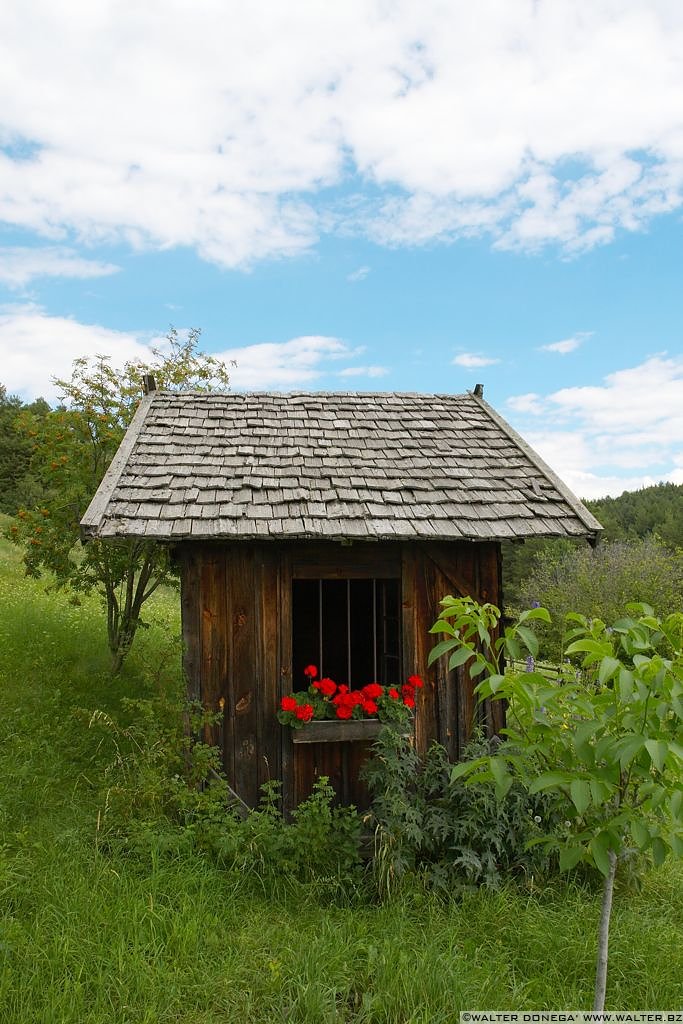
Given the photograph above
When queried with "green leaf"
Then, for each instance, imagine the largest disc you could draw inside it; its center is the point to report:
(676, 844)
(588, 647)
(464, 768)
(609, 667)
(657, 749)
(535, 613)
(627, 747)
(502, 776)
(443, 627)
(600, 846)
(626, 685)
(441, 648)
(676, 804)
(549, 780)
(600, 792)
(490, 686)
(570, 857)
(582, 735)
(529, 639)
(459, 657)
(580, 793)
(641, 834)
(659, 850)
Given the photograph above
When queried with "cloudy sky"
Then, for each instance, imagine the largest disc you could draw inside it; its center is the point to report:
(367, 195)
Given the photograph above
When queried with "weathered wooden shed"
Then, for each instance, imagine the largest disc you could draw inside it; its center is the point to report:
(325, 528)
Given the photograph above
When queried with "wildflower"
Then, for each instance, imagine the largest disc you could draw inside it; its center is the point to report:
(537, 819)
(530, 663)
(535, 604)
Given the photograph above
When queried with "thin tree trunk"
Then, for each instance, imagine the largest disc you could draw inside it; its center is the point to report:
(603, 935)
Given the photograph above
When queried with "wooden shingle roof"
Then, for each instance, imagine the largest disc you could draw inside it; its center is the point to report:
(328, 465)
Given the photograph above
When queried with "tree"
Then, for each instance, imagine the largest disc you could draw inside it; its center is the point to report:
(72, 447)
(17, 486)
(606, 741)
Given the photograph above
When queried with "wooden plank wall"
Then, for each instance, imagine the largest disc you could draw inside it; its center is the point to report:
(237, 631)
(430, 572)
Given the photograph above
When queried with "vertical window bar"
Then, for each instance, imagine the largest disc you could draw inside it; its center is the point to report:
(374, 630)
(348, 627)
(320, 628)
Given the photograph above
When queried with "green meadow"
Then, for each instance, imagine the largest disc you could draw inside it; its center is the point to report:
(94, 931)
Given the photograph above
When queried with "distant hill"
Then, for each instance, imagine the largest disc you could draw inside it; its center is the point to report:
(652, 511)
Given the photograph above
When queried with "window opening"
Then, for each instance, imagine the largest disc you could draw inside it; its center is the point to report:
(351, 626)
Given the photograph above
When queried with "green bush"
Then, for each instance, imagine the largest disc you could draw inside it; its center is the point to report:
(453, 835)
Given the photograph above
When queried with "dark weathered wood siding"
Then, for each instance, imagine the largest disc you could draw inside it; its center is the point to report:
(237, 633)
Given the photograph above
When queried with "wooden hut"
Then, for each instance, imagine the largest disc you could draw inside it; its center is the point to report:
(325, 528)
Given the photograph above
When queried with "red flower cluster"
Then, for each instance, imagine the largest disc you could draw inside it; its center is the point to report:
(325, 699)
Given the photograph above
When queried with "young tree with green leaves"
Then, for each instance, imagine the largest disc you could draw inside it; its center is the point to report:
(606, 738)
(72, 446)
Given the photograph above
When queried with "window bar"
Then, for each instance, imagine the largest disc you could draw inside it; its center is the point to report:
(348, 627)
(385, 636)
(374, 630)
(320, 629)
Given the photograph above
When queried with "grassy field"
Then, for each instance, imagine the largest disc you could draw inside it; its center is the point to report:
(90, 934)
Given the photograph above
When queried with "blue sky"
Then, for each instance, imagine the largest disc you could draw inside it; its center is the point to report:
(361, 196)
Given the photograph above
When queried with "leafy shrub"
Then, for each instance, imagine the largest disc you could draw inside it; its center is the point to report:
(599, 583)
(452, 834)
(166, 796)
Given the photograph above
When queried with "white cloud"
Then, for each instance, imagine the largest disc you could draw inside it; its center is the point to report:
(531, 403)
(633, 421)
(232, 128)
(35, 347)
(364, 371)
(568, 345)
(473, 361)
(20, 264)
(284, 365)
(358, 275)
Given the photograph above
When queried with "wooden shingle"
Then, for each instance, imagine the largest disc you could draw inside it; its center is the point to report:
(329, 465)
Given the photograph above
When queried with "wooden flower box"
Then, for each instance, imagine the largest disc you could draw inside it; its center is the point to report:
(342, 731)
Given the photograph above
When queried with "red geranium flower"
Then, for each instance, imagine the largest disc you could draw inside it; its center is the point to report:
(304, 712)
(344, 711)
(373, 690)
(327, 687)
(393, 693)
(415, 681)
(288, 704)
(311, 671)
(409, 702)
(369, 707)
(408, 690)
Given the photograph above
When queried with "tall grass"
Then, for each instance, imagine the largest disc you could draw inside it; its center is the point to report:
(93, 934)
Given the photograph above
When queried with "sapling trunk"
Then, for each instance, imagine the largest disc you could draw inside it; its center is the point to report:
(603, 934)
